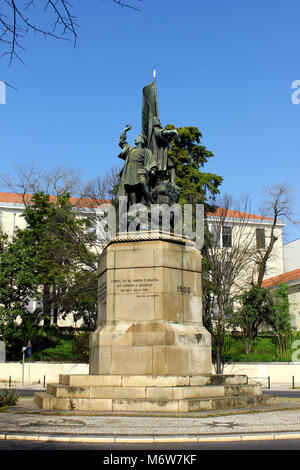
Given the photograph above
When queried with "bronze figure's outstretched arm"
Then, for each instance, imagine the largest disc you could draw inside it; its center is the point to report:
(122, 140)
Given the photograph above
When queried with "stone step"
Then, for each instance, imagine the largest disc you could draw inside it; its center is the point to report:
(43, 400)
(49, 402)
(157, 393)
(143, 405)
(150, 380)
(242, 390)
(222, 403)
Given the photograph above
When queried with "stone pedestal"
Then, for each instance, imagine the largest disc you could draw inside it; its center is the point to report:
(150, 310)
(150, 352)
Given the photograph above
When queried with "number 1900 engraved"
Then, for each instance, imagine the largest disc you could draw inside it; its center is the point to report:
(183, 289)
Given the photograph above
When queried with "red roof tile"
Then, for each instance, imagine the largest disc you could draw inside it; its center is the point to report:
(16, 198)
(231, 214)
(285, 277)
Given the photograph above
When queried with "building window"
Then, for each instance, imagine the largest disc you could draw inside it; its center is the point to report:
(260, 238)
(227, 236)
(215, 232)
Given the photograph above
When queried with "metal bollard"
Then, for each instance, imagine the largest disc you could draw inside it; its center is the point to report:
(293, 381)
(9, 382)
(44, 382)
(269, 382)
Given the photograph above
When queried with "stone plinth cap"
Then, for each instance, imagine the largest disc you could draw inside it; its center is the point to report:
(151, 235)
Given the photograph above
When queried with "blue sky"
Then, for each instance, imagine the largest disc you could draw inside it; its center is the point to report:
(225, 66)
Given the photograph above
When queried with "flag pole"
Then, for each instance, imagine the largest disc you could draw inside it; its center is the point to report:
(155, 90)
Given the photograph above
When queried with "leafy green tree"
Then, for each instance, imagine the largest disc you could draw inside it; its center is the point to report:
(262, 306)
(189, 157)
(78, 295)
(257, 306)
(279, 318)
(17, 286)
(58, 241)
(50, 261)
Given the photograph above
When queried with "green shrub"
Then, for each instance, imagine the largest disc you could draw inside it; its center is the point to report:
(8, 397)
(264, 349)
(63, 351)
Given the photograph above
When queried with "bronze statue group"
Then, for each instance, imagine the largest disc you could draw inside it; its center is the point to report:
(149, 174)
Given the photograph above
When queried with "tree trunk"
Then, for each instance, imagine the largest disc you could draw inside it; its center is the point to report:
(55, 314)
(46, 305)
(263, 263)
(219, 342)
(249, 335)
(219, 365)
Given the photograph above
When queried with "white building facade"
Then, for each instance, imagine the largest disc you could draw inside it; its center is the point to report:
(290, 276)
(283, 265)
(254, 231)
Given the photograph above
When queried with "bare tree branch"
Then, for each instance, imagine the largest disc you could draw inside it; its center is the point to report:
(278, 206)
(229, 256)
(122, 4)
(28, 180)
(15, 23)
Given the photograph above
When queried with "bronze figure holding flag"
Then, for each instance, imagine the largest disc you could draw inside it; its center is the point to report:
(148, 175)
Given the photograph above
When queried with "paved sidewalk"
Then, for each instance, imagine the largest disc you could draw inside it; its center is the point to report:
(27, 421)
(18, 386)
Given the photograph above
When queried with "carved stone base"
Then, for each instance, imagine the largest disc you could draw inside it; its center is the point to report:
(141, 395)
(153, 348)
(150, 309)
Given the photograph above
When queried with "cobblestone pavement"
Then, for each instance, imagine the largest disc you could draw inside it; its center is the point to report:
(27, 421)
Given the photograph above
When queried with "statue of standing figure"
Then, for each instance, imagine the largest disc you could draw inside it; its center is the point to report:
(159, 145)
(139, 169)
